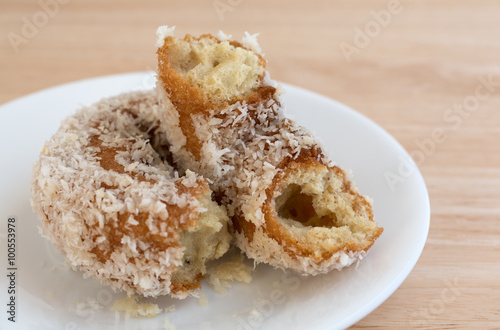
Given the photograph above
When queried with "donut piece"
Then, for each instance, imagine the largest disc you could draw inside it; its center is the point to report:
(291, 207)
(112, 204)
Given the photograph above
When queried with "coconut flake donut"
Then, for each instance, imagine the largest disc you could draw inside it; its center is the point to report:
(291, 207)
(115, 208)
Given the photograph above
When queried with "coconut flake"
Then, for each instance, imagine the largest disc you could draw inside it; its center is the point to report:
(250, 42)
(162, 32)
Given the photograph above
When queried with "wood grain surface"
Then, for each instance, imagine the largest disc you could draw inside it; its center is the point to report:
(414, 67)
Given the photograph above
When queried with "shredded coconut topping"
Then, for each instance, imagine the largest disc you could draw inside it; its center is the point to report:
(250, 41)
(111, 203)
(223, 37)
(162, 32)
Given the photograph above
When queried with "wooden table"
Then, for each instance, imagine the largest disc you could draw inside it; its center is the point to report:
(411, 66)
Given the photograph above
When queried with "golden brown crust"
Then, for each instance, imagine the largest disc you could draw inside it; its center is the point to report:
(106, 157)
(179, 288)
(190, 100)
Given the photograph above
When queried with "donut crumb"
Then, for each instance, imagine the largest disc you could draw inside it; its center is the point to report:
(221, 275)
(203, 301)
(131, 306)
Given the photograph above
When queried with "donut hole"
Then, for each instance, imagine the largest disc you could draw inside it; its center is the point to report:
(222, 71)
(298, 208)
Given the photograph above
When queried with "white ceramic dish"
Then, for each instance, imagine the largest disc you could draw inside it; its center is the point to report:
(48, 293)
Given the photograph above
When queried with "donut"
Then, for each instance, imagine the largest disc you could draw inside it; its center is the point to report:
(114, 206)
(291, 207)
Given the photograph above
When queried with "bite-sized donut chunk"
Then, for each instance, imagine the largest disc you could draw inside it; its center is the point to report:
(291, 206)
(115, 208)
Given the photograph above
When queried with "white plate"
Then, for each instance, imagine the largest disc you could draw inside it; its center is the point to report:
(48, 293)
